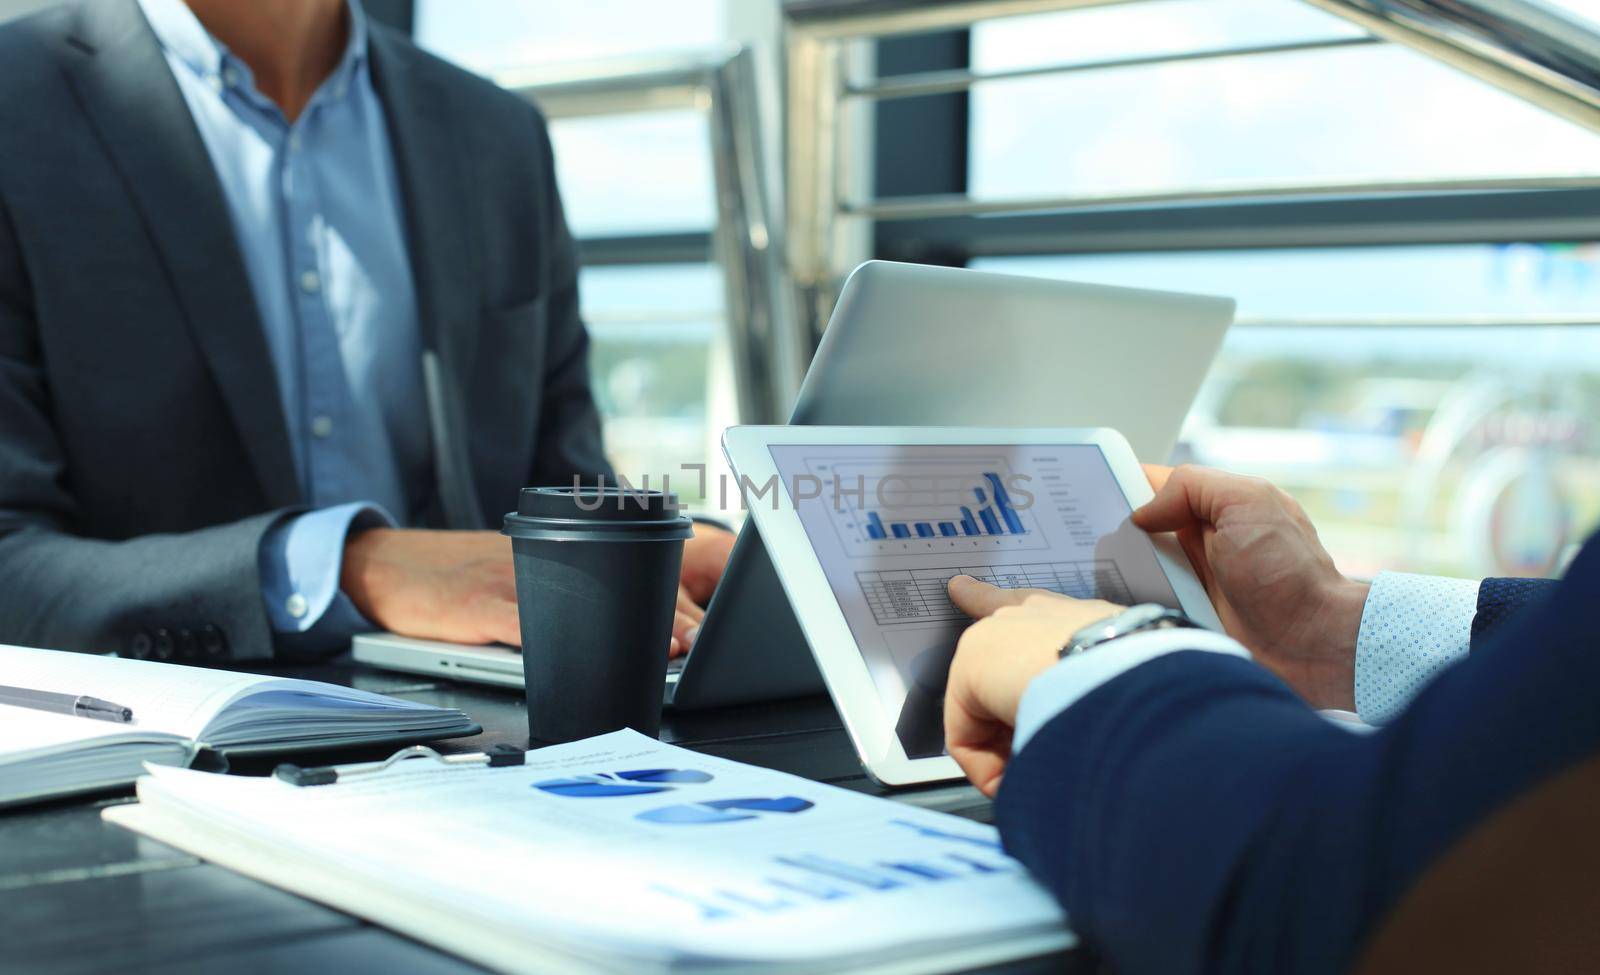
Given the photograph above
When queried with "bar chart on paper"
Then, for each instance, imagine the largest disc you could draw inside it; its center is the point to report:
(905, 856)
(922, 506)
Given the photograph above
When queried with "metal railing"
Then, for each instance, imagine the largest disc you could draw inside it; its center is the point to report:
(1527, 50)
(746, 244)
(1531, 50)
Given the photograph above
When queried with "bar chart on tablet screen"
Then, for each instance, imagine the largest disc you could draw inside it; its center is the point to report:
(920, 506)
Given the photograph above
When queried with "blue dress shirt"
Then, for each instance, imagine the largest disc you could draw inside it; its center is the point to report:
(1412, 628)
(317, 212)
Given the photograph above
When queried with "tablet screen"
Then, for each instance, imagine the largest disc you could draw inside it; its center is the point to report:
(891, 524)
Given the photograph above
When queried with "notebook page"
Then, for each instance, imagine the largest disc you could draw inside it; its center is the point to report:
(298, 710)
(164, 697)
(628, 848)
(26, 734)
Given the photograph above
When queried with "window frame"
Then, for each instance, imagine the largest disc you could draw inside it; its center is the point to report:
(1356, 219)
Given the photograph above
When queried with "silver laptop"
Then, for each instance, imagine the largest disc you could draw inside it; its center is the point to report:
(912, 345)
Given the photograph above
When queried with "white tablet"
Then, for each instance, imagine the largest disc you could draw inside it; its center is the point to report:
(867, 524)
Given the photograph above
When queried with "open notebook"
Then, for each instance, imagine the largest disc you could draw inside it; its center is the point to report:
(178, 711)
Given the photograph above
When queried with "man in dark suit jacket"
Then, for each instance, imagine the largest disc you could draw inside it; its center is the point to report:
(1187, 805)
(277, 289)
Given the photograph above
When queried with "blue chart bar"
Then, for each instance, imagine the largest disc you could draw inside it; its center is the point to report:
(836, 870)
(991, 524)
(1002, 500)
(978, 866)
(756, 903)
(708, 910)
(921, 870)
(821, 891)
(933, 833)
(993, 514)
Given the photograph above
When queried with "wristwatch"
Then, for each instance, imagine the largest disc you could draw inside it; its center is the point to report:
(1134, 619)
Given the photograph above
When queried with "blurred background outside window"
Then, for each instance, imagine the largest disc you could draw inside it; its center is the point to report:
(662, 371)
(1431, 400)
(1419, 365)
(1432, 403)
(1466, 448)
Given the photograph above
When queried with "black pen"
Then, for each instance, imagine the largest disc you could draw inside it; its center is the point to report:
(81, 705)
(498, 756)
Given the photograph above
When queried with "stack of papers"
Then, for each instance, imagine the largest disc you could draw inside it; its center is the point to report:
(177, 712)
(621, 854)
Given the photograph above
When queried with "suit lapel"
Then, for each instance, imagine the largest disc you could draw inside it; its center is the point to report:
(128, 91)
(428, 160)
(442, 246)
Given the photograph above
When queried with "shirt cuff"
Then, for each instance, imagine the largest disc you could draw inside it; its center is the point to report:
(300, 560)
(1060, 687)
(1412, 627)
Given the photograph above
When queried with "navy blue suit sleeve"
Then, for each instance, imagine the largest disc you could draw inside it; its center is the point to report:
(1193, 815)
(1501, 599)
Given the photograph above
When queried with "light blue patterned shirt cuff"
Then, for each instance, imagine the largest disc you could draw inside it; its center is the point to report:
(300, 561)
(1412, 627)
(1063, 685)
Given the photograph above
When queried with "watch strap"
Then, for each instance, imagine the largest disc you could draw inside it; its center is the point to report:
(1142, 618)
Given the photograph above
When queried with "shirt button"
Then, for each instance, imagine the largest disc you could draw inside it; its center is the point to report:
(294, 142)
(322, 427)
(310, 282)
(296, 605)
(230, 77)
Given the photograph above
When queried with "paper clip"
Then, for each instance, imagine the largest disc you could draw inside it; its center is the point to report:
(498, 756)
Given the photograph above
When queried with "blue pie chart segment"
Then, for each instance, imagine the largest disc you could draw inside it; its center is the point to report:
(680, 776)
(593, 787)
(634, 782)
(723, 811)
(691, 815)
(782, 804)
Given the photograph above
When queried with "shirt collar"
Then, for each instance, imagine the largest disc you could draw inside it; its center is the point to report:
(181, 33)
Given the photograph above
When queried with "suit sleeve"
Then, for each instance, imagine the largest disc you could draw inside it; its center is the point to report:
(570, 443)
(1193, 815)
(1501, 599)
(200, 590)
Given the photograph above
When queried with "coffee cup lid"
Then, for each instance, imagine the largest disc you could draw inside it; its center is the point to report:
(597, 514)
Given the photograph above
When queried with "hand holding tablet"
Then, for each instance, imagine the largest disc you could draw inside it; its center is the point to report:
(867, 526)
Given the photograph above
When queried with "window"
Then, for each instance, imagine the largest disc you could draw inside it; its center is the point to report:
(660, 369)
(640, 173)
(1587, 10)
(1428, 387)
(489, 35)
(661, 365)
(1350, 112)
(1374, 384)
(1160, 27)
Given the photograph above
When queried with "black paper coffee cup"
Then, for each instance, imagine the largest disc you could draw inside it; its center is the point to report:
(597, 586)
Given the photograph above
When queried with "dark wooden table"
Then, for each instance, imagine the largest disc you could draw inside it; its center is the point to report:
(80, 895)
